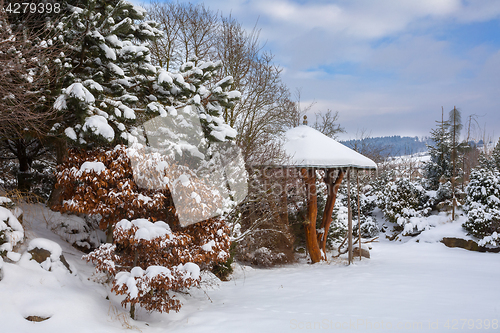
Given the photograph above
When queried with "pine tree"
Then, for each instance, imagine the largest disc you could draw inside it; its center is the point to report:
(455, 121)
(440, 164)
(496, 154)
(108, 66)
(112, 85)
(113, 94)
(483, 203)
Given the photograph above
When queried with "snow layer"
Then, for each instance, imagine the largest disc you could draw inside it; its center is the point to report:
(78, 91)
(146, 230)
(423, 286)
(96, 167)
(13, 230)
(310, 148)
(99, 126)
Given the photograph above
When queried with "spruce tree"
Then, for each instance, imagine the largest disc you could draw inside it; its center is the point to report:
(496, 154)
(440, 163)
(107, 67)
(483, 202)
(111, 87)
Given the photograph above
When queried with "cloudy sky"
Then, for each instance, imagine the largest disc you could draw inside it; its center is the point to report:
(387, 66)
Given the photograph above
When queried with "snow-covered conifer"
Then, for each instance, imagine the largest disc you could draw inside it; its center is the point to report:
(106, 62)
(440, 151)
(483, 203)
(112, 88)
(404, 200)
(496, 154)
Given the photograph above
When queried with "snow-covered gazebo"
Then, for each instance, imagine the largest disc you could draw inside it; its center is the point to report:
(310, 150)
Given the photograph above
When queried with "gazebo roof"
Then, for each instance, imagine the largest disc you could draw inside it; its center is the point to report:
(308, 147)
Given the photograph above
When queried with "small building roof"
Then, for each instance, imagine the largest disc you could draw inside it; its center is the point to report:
(308, 147)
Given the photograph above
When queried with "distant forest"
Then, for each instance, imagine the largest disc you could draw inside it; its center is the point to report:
(391, 145)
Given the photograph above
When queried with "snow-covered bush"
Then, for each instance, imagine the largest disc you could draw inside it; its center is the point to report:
(367, 203)
(80, 231)
(444, 194)
(101, 183)
(150, 262)
(11, 230)
(405, 203)
(495, 154)
(483, 205)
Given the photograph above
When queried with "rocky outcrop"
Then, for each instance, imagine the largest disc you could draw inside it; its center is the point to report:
(468, 245)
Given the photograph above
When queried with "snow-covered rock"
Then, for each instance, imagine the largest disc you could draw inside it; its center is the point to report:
(48, 254)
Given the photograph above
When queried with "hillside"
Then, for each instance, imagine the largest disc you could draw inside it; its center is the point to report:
(391, 145)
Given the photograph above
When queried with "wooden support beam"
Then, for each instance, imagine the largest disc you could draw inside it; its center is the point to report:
(312, 210)
(332, 188)
(349, 225)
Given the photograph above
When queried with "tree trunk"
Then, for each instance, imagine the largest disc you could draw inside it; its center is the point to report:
(332, 189)
(284, 201)
(109, 233)
(24, 175)
(312, 211)
(55, 198)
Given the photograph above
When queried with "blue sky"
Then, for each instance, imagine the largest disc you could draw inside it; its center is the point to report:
(387, 66)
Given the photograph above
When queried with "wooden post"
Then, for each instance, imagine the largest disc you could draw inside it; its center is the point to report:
(332, 188)
(284, 201)
(359, 218)
(312, 210)
(349, 214)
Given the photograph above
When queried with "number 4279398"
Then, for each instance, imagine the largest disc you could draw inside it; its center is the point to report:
(477, 324)
(33, 8)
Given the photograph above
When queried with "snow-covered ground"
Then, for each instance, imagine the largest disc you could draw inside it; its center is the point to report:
(406, 286)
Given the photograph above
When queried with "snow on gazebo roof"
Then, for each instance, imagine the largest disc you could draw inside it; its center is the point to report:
(308, 147)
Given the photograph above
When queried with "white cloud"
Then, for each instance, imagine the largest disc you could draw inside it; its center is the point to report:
(401, 66)
(356, 19)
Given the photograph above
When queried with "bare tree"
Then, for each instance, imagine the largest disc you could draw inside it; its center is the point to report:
(362, 145)
(327, 123)
(27, 80)
(164, 51)
(297, 111)
(189, 31)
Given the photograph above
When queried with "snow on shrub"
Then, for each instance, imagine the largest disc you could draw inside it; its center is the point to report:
(79, 231)
(11, 230)
(101, 183)
(367, 203)
(483, 205)
(406, 204)
(150, 262)
(444, 194)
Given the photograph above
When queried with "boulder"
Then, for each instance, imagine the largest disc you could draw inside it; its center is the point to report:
(364, 252)
(43, 249)
(467, 244)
